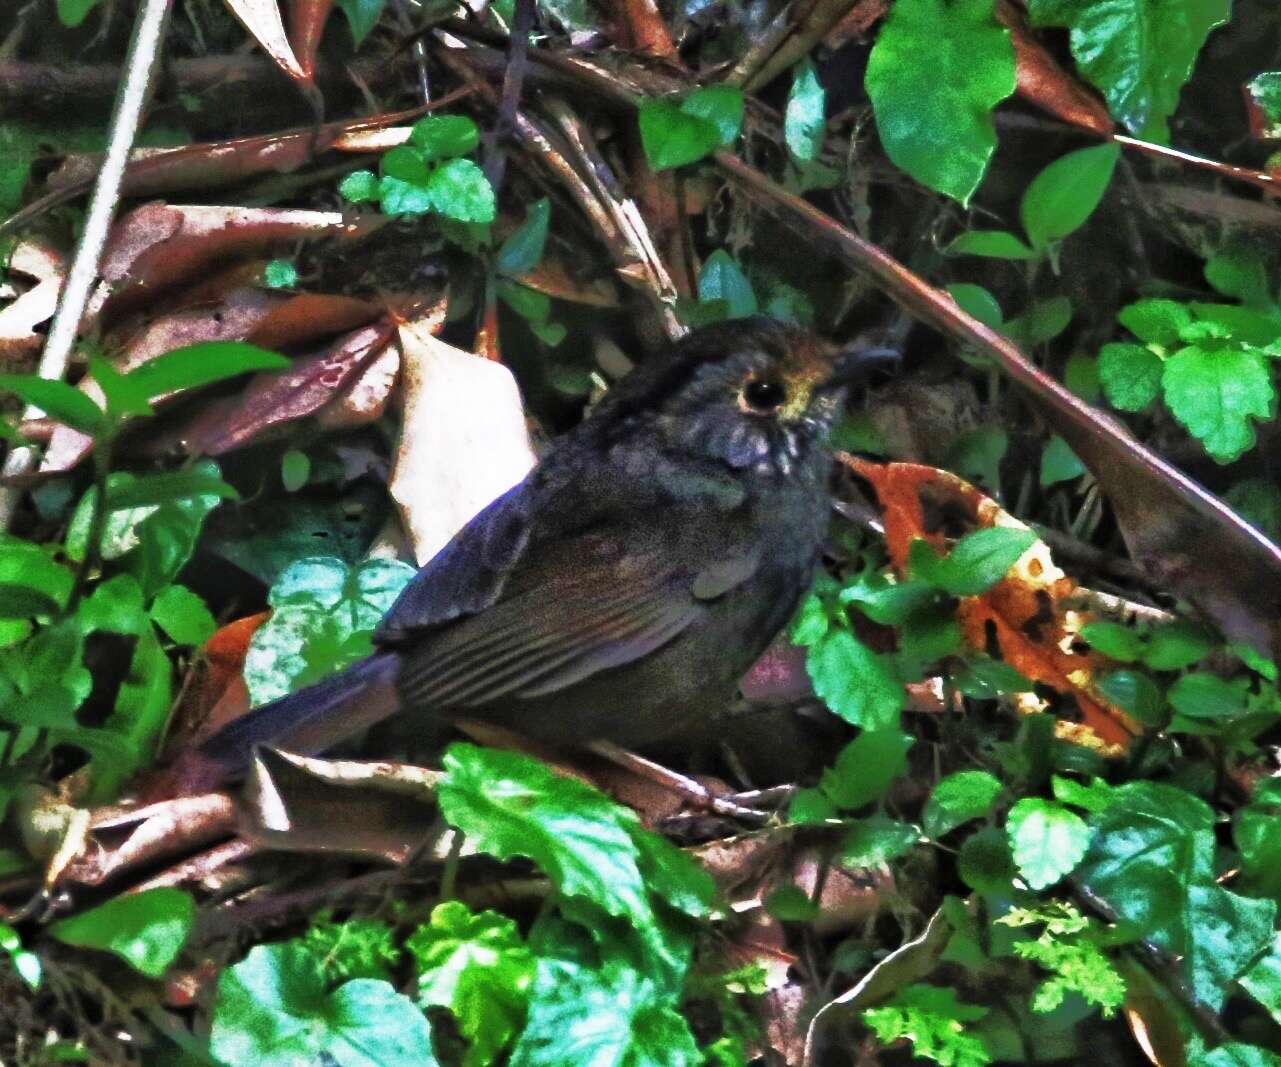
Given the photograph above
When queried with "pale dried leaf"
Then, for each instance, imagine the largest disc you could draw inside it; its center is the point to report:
(463, 440)
(262, 19)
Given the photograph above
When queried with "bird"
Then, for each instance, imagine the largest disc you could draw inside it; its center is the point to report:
(623, 588)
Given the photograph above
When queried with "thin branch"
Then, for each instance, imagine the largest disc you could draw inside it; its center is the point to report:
(513, 81)
(140, 68)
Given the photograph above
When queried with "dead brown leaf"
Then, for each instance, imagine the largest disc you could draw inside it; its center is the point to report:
(271, 400)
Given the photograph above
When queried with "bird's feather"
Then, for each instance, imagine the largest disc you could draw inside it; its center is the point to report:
(465, 576)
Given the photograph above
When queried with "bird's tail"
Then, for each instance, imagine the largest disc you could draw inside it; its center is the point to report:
(308, 721)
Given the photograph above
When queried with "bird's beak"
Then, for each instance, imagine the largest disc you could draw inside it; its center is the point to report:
(858, 362)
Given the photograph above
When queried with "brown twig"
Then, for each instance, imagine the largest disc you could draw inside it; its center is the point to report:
(513, 80)
(650, 271)
(678, 783)
(806, 27)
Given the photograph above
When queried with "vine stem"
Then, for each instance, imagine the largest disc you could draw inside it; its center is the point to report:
(140, 67)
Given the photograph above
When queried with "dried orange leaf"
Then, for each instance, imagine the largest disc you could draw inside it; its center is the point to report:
(1025, 618)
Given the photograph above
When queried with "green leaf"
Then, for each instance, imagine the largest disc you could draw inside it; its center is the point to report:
(876, 840)
(1258, 501)
(123, 396)
(1177, 645)
(550, 333)
(723, 279)
(1236, 1054)
(202, 364)
(1265, 91)
(183, 616)
(280, 274)
(362, 16)
(31, 567)
(1065, 193)
(1201, 695)
(579, 1015)
(1081, 375)
(977, 455)
(1068, 948)
(1046, 839)
(1138, 53)
(932, 1019)
(976, 563)
(976, 301)
(272, 1009)
(523, 250)
(1215, 394)
(116, 606)
(985, 864)
(477, 966)
(865, 768)
(854, 682)
(1238, 271)
(459, 190)
(985, 679)
(404, 198)
(1059, 463)
(672, 137)
(1135, 693)
(24, 602)
(1256, 831)
(719, 105)
(790, 903)
(142, 707)
(885, 602)
(510, 805)
(405, 163)
(73, 12)
(166, 536)
(25, 963)
(360, 186)
(444, 136)
(147, 930)
(1151, 859)
(810, 807)
(353, 947)
(58, 400)
(1155, 321)
(1130, 375)
(957, 799)
(1263, 980)
(994, 244)
(295, 470)
(324, 613)
(149, 490)
(803, 121)
(1113, 639)
(1041, 322)
(1093, 797)
(935, 118)
(528, 303)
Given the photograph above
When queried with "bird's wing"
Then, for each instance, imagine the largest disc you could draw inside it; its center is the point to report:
(465, 576)
(572, 608)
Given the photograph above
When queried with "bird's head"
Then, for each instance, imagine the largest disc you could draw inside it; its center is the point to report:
(752, 393)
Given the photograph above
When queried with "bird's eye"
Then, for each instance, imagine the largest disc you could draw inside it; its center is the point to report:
(764, 394)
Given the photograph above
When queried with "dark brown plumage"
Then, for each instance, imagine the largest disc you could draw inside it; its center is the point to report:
(629, 581)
